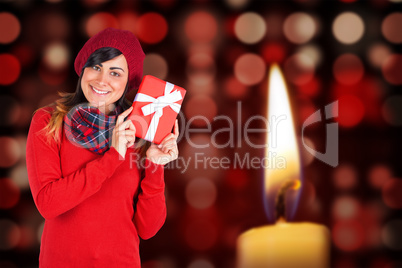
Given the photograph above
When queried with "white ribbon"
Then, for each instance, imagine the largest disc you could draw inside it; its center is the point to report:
(156, 106)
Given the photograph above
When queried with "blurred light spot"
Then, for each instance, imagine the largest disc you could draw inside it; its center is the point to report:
(200, 263)
(234, 89)
(9, 110)
(10, 69)
(48, 99)
(345, 177)
(313, 52)
(156, 65)
(10, 27)
(237, 4)
(391, 193)
(10, 152)
(307, 157)
(299, 69)
(250, 28)
(396, 1)
(196, 105)
(392, 69)
(306, 109)
(348, 69)
(19, 176)
(128, 21)
(56, 56)
(200, 143)
(392, 235)
(379, 175)
(250, 69)
(9, 234)
(27, 239)
(201, 193)
(351, 111)
(377, 54)
(201, 27)
(201, 69)
(299, 28)
(151, 28)
(392, 110)
(100, 21)
(200, 234)
(202, 89)
(348, 235)
(391, 27)
(312, 88)
(345, 208)
(348, 28)
(275, 25)
(273, 52)
(9, 193)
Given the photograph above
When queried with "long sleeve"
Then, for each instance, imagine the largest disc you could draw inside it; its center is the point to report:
(54, 194)
(150, 212)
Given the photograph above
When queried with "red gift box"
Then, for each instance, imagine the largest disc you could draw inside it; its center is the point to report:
(155, 108)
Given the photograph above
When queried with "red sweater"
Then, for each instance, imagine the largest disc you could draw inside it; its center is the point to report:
(95, 206)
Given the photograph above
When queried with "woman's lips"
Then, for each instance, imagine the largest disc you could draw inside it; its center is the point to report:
(99, 92)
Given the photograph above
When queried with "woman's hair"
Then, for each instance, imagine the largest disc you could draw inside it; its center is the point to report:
(68, 100)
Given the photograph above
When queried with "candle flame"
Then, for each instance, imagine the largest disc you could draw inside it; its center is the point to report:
(282, 147)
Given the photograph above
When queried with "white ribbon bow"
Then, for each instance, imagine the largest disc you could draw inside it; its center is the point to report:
(156, 106)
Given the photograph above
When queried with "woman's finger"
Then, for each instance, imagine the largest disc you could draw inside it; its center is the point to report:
(120, 118)
(176, 129)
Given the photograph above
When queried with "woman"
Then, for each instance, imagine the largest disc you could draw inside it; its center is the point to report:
(83, 182)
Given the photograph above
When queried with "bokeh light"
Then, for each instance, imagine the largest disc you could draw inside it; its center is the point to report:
(345, 177)
(10, 110)
(348, 69)
(56, 56)
(10, 152)
(10, 69)
(19, 176)
(250, 28)
(250, 69)
(392, 235)
(201, 69)
(348, 235)
(392, 69)
(348, 28)
(391, 27)
(201, 27)
(156, 65)
(299, 69)
(351, 111)
(237, 4)
(128, 21)
(9, 234)
(152, 28)
(234, 89)
(9, 193)
(345, 208)
(201, 193)
(201, 263)
(391, 193)
(299, 28)
(196, 105)
(392, 110)
(10, 27)
(377, 53)
(273, 52)
(312, 51)
(100, 21)
(312, 88)
(379, 175)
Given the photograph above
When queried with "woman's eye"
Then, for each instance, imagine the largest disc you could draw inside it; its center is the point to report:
(96, 68)
(115, 74)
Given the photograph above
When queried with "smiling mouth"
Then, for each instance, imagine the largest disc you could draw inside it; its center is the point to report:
(100, 92)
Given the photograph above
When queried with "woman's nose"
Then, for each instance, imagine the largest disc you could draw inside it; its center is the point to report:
(102, 78)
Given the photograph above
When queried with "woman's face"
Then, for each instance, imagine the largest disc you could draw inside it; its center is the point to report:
(105, 83)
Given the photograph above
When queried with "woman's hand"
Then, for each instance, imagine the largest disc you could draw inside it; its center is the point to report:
(166, 151)
(123, 135)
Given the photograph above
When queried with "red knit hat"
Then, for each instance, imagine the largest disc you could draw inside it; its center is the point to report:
(124, 41)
